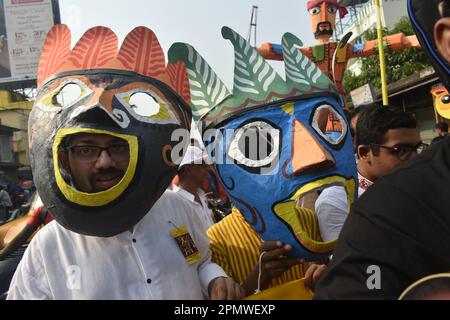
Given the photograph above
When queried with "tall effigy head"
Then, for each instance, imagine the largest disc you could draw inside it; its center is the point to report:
(323, 17)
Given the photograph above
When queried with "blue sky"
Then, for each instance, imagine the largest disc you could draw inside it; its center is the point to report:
(197, 22)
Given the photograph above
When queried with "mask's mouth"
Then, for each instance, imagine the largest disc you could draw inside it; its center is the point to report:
(324, 28)
(109, 183)
(288, 212)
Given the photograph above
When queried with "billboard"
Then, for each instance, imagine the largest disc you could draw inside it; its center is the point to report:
(23, 27)
(363, 95)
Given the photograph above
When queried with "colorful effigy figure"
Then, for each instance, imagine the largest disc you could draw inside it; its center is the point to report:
(329, 56)
(268, 137)
(441, 101)
(129, 94)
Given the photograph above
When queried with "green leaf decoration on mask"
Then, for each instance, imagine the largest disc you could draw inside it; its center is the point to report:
(252, 73)
(300, 71)
(207, 90)
(256, 84)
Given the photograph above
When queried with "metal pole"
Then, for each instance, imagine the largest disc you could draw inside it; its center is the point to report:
(381, 53)
(253, 25)
(256, 23)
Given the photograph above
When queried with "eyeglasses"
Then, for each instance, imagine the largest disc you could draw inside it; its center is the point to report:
(402, 151)
(89, 154)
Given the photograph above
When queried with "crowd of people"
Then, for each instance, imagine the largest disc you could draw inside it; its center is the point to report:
(123, 219)
(13, 196)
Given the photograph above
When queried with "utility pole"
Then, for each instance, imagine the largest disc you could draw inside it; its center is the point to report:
(253, 26)
(384, 90)
(377, 4)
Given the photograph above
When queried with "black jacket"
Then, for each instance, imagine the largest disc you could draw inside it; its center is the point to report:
(402, 225)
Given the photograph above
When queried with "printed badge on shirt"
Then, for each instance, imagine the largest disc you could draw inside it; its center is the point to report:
(186, 245)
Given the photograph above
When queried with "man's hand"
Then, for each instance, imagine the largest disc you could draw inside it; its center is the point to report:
(223, 288)
(274, 263)
(313, 275)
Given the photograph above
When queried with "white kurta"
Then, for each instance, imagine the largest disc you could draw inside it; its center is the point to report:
(332, 208)
(145, 264)
(202, 210)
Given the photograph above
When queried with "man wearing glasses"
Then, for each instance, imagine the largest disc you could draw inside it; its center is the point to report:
(398, 232)
(100, 135)
(94, 162)
(386, 138)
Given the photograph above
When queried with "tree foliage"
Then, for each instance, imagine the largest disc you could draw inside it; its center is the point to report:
(398, 64)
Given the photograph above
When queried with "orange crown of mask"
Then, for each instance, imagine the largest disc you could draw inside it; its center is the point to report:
(98, 49)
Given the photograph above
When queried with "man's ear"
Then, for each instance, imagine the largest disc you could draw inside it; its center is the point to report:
(63, 158)
(363, 152)
(442, 37)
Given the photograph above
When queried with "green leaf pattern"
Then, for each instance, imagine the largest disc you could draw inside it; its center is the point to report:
(300, 71)
(252, 74)
(207, 90)
(255, 81)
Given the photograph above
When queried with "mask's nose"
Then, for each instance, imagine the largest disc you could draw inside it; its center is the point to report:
(323, 12)
(99, 110)
(308, 155)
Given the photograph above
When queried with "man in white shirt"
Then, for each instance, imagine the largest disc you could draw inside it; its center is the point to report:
(102, 154)
(192, 173)
(142, 263)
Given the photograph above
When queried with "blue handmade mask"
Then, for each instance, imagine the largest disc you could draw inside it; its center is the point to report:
(272, 140)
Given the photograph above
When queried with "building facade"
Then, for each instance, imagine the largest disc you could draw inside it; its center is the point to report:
(8, 160)
(14, 112)
(363, 17)
(412, 94)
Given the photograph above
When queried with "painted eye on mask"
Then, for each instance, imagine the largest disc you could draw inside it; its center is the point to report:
(67, 94)
(145, 105)
(445, 99)
(332, 9)
(329, 124)
(255, 145)
(314, 11)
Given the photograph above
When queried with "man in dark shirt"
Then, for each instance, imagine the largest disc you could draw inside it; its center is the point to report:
(399, 230)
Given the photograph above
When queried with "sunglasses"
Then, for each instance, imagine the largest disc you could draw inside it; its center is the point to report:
(403, 152)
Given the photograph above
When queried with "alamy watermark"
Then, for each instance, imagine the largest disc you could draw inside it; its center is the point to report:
(374, 277)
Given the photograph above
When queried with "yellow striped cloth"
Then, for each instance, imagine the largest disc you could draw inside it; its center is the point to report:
(235, 246)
